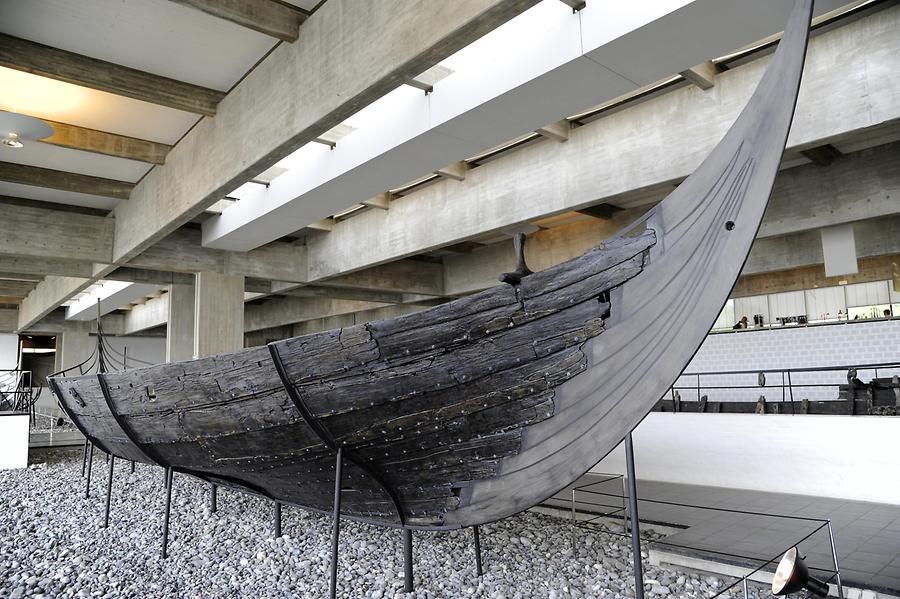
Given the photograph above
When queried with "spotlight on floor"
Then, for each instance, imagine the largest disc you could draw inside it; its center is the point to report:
(793, 575)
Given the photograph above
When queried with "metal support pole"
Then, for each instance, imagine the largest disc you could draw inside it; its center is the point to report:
(165, 478)
(635, 520)
(574, 520)
(107, 458)
(112, 465)
(87, 487)
(84, 456)
(336, 526)
(407, 561)
(213, 502)
(277, 519)
(624, 507)
(478, 569)
(837, 568)
(746, 590)
(165, 530)
(132, 466)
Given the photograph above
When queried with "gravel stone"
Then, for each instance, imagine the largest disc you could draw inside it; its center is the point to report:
(52, 545)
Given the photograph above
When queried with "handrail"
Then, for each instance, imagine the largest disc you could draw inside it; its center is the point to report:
(804, 369)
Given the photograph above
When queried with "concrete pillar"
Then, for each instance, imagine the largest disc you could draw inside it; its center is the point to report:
(74, 344)
(218, 313)
(180, 325)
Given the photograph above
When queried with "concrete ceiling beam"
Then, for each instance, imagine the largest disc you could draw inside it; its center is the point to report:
(604, 161)
(285, 102)
(276, 19)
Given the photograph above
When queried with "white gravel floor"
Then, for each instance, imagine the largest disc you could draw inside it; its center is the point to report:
(52, 545)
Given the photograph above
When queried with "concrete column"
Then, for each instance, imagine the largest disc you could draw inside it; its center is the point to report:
(180, 324)
(218, 313)
(74, 344)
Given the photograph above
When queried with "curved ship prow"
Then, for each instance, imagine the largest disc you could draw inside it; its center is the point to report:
(482, 407)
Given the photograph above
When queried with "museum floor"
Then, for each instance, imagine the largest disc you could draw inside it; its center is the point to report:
(867, 535)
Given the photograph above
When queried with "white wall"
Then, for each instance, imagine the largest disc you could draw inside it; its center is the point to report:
(13, 441)
(848, 457)
(9, 351)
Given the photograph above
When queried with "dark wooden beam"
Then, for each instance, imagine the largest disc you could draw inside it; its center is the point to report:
(109, 144)
(603, 211)
(575, 4)
(463, 247)
(46, 61)
(45, 177)
(822, 155)
(155, 277)
(265, 16)
(16, 288)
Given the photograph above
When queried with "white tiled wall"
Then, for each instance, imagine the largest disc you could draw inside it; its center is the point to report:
(848, 343)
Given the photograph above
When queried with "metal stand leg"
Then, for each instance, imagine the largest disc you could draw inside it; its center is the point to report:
(277, 519)
(213, 503)
(112, 465)
(165, 478)
(571, 525)
(107, 458)
(746, 590)
(132, 466)
(407, 561)
(87, 487)
(478, 569)
(336, 527)
(837, 568)
(635, 520)
(84, 457)
(165, 530)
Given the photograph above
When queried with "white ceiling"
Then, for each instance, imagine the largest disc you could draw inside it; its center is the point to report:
(76, 105)
(156, 36)
(35, 153)
(56, 196)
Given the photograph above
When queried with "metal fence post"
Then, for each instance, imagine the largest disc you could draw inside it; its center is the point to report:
(837, 568)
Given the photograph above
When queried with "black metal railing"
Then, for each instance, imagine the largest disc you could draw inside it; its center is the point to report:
(878, 382)
(596, 504)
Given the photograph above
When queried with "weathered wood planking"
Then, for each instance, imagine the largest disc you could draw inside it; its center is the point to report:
(430, 402)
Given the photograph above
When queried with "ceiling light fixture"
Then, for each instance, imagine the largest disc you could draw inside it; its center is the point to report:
(19, 127)
(12, 140)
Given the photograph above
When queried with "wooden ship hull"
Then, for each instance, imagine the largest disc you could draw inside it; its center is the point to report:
(482, 407)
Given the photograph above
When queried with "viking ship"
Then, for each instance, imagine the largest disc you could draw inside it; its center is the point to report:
(482, 407)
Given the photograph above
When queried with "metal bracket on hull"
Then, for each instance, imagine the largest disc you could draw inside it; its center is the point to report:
(326, 437)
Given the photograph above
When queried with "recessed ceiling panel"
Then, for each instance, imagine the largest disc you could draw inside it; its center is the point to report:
(156, 36)
(56, 196)
(59, 101)
(35, 153)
